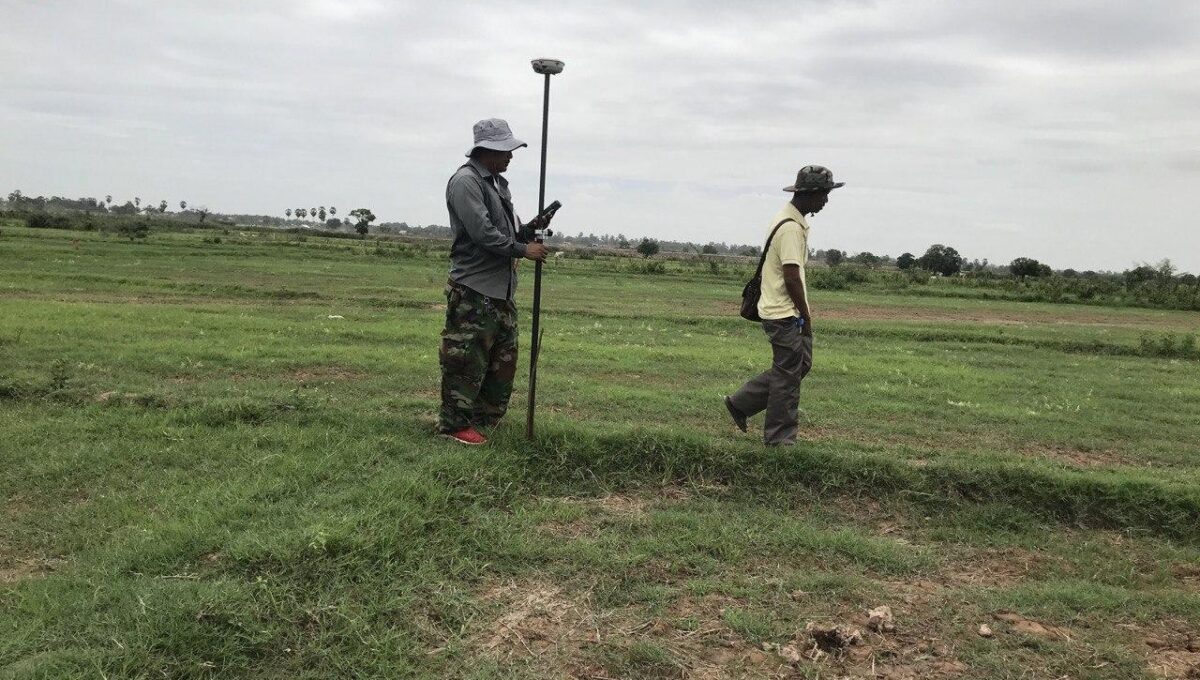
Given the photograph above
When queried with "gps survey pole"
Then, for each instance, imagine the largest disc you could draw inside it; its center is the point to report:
(546, 67)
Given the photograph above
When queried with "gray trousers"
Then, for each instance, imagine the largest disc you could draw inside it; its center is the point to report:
(777, 391)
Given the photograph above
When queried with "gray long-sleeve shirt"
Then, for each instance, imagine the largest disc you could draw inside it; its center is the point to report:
(487, 236)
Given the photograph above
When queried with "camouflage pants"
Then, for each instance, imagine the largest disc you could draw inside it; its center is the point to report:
(478, 357)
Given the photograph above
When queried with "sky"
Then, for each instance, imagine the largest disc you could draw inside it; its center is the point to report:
(1063, 130)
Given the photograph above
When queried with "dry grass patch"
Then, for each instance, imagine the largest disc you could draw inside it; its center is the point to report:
(1079, 458)
(13, 569)
(559, 633)
(1000, 568)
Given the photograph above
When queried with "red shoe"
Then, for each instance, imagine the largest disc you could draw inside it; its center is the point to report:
(469, 436)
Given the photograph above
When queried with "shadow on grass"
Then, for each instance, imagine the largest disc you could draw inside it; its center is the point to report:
(1103, 499)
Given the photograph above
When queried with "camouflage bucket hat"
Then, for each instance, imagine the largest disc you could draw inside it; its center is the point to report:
(814, 178)
(495, 134)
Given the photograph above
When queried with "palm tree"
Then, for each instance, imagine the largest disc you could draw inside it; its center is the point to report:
(321, 213)
(162, 206)
(182, 206)
(332, 211)
(108, 199)
(313, 212)
(288, 212)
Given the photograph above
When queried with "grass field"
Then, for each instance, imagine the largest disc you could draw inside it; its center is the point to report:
(219, 462)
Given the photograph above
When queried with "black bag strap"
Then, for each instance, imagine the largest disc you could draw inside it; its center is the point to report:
(762, 260)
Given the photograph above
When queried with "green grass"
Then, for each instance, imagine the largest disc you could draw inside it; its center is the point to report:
(219, 462)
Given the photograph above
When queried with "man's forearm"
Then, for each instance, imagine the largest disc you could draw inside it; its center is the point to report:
(795, 289)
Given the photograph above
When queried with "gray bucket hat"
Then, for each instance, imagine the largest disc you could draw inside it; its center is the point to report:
(814, 178)
(495, 134)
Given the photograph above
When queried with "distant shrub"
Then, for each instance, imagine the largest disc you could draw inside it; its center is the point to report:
(134, 229)
(855, 274)
(41, 220)
(651, 267)
(918, 276)
(1169, 345)
(827, 279)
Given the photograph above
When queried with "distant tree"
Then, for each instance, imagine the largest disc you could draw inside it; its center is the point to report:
(108, 199)
(906, 261)
(1070, 273)
(182, 205)
(321, 213)
(15, 196)
(202, 211)
(288, 212)
(1140, 274)
(127, 209)
(313, 212)
(162, 206)
(137, 202)
(301, 212)
(709, 249)
(332, 210)
(648, 247)
(834, 257)
(623, 242)
(941, 259)
(365, 217)
(868, 259)
(1027, 266)
(333, 223)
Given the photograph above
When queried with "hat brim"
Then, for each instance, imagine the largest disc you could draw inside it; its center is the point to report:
(500, 145)
(835, 185)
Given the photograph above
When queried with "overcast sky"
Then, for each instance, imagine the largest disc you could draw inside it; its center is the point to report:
(1065, 131)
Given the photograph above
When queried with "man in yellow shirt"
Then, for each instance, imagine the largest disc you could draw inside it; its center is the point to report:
(786, 318)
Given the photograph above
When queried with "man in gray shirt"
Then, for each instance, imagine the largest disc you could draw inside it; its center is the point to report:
(479, 344)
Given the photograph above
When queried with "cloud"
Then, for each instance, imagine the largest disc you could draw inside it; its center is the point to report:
(951, 122)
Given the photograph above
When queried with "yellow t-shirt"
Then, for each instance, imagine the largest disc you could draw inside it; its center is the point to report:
(790, 246)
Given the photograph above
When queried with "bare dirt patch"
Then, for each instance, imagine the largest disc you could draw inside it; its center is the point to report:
(972, 312)
(909, 313)
(1172, 649)
(1187, 574)
(1025, 626)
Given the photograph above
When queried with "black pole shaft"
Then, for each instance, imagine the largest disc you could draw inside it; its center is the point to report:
(534, 339)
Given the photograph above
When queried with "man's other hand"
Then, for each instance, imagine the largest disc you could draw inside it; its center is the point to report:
(536, 252)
